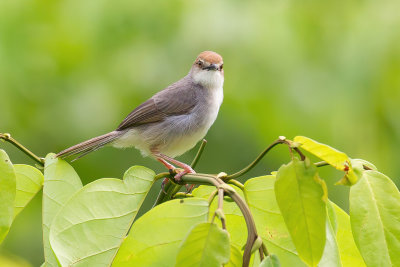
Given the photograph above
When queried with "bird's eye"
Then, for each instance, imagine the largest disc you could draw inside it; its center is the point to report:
(199, 62)
(221, 67)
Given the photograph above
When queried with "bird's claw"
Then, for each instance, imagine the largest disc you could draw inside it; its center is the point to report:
(180, 173)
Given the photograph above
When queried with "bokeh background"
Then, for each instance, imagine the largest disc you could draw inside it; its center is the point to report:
(71, 70)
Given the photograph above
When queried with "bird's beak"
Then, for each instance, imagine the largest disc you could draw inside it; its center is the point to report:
(211, 67)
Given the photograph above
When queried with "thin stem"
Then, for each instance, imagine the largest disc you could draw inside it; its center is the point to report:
(198, 154)
(161, 175)
(321, 164)
(302, 157)
(212, 196)
(221, 208)
(324, 163)
(264, 249)
(172, 191)
(7, 137)
(261, 252)
(182, 195)
(162, 194)
(236, 183)
(254, 163)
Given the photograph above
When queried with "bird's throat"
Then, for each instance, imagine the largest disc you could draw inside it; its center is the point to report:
(209, 78)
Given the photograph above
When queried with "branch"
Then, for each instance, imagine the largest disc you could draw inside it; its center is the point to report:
(219, 212)
(7, 137)
(281, 140)
(220, 184)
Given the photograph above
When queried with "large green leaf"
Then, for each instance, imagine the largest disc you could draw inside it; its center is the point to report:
(90, 227)
(349, 254)
(7, 194)
(235, 222)
(270, 261)
(301, 199)
(335, 158)
(260, 197)
(375, 219)
(60, 183)
(155, 237)
(29, 182)
(206, 245)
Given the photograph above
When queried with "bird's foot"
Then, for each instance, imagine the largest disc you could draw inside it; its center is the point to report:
(186, 169)
(169, 166)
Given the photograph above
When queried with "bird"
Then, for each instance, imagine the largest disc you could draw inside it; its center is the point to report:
(172, 121)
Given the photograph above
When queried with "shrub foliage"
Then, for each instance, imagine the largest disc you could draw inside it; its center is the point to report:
(283, 218)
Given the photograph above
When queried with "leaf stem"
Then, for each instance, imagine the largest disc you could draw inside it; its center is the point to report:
(219, 212)
(198, 154)
(212, 196)
(236, 183)
(321, 164)
(7, 137)
(182, 195)
(254, 163)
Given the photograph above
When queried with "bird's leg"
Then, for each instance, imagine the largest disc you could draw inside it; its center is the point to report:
(186, 168)
(170, 167)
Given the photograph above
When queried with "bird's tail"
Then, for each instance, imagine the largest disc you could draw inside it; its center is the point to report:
(90, 145)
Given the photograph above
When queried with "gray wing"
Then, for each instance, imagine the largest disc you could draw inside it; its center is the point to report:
(179, 98)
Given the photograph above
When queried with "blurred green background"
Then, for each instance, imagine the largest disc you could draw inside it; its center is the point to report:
(71, 70)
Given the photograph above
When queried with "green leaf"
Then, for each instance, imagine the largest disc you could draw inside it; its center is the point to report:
(92, 224)
(330, 207)
(60, 183)
(29, 182)
(7, 194)
(236, 258)
(204, 191)
(154, 238)
(270, 261)
(333, 157)
(330, 257)
(235, 222)
(349, 254)
(206, 245)
(300, 197)
(260, 196)
(375, 219)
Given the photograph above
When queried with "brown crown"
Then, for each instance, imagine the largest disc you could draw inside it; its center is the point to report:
(210, 57)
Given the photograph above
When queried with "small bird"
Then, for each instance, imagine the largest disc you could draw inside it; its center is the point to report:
(172, 121)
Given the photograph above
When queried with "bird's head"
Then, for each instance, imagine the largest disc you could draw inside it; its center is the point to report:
(207, 70)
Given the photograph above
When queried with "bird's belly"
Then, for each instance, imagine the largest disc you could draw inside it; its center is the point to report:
(174, 135)
(184, 132)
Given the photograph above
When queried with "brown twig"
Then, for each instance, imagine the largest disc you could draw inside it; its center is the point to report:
(7, 137)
